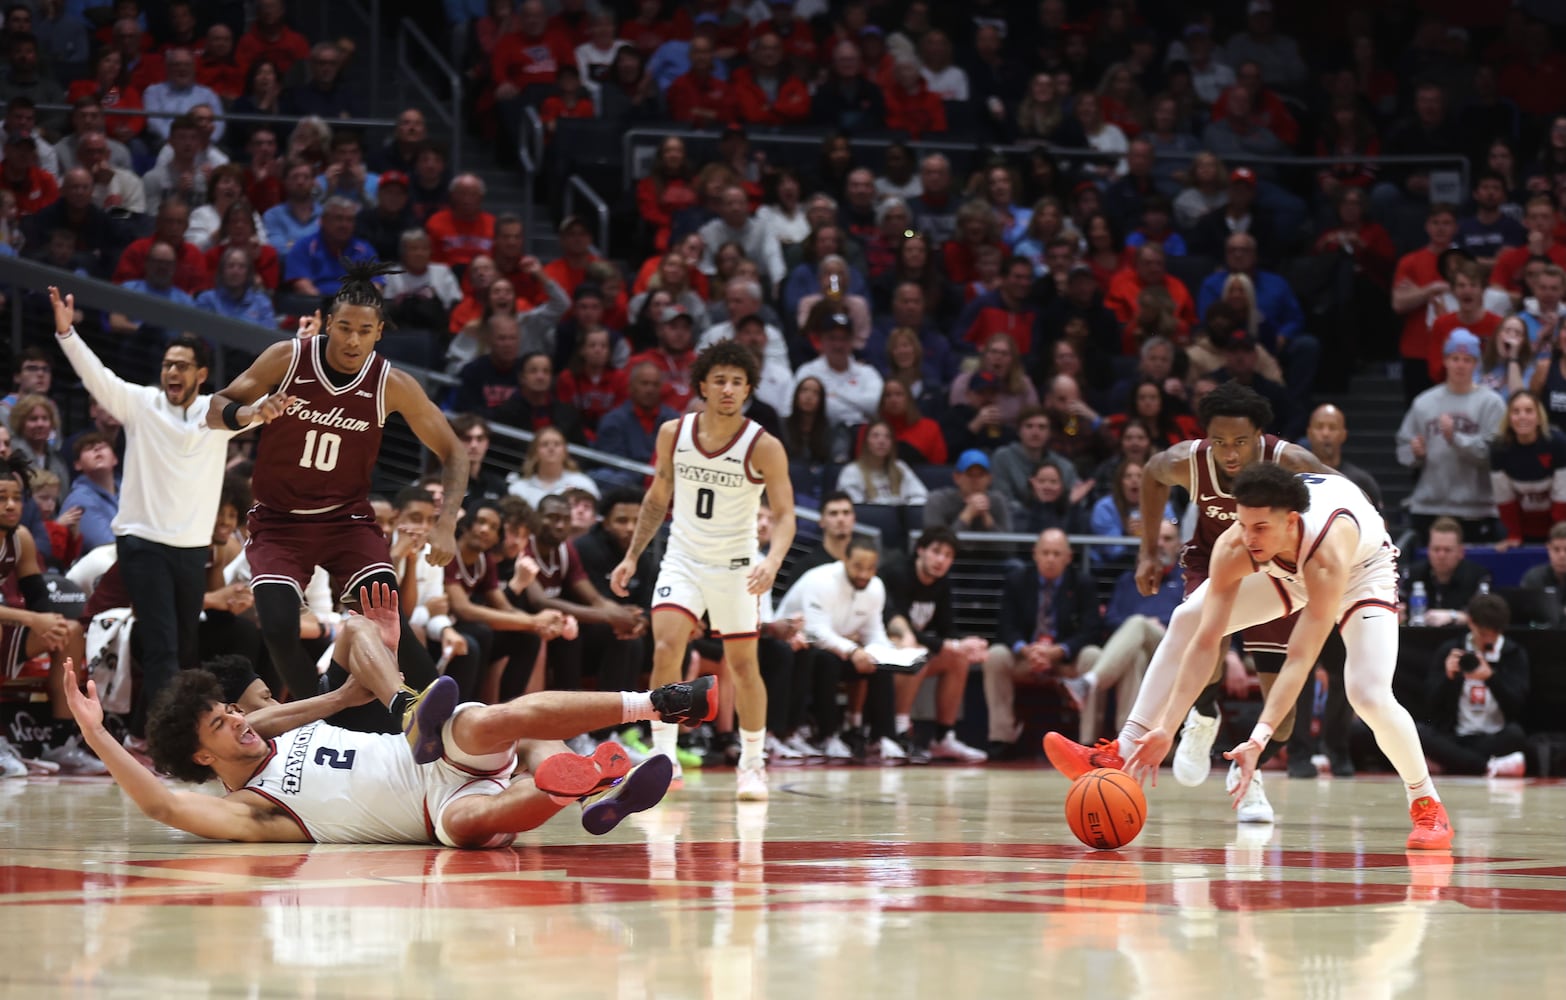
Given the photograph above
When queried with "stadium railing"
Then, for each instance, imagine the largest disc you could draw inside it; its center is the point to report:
(409, 74)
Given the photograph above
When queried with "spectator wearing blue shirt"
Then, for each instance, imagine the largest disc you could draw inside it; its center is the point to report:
(159, 283)
(1136, 625)
(1119, 512)
(298, 214)
(672, 59)
(1489, 230)
(94, 490)
(235, 295)
(315, 265)
(1296, 350)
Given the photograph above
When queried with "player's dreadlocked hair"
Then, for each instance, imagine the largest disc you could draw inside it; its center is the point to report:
(359, 287)
(20, 468)
(729, 354)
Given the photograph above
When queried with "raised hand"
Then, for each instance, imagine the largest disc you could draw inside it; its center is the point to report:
(85, 708)
(378, 604)
(64, 310)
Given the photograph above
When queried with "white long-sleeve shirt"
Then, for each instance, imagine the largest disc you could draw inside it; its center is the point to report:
(174, 462)
(852, 396)
(838, 617)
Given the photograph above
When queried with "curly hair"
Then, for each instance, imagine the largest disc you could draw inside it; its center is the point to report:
(173, 725)
(19, 467)
(730, 354)
(1231, 399)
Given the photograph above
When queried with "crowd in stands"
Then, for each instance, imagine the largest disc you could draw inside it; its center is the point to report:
(994, 342)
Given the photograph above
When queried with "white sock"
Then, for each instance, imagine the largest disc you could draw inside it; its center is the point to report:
(904, 723)
(636, 706)
(1128, 737)
(751, 743)
(855, 719)
(1423, 788)
(666, 738)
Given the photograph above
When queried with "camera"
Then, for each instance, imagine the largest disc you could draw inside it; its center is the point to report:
(1468, 663)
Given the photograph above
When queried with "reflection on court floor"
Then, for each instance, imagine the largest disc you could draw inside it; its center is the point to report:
(849, 883)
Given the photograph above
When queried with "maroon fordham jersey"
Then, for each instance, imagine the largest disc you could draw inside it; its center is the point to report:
(320, 454)
(1215, 506)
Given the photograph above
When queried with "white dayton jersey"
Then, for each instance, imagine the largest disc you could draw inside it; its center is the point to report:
(1373, 578)
(346, 787)
(712, 540)
(716, 496)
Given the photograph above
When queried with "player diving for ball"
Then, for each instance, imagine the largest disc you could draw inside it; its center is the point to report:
(291, 778)
(1302, 542)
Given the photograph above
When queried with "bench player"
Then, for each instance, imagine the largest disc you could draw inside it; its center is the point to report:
(1314, 544)
(1234, 418)
(317, 783)
(327, 399)
(713, 466)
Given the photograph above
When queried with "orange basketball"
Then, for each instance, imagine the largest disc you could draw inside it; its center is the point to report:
(1105, 808)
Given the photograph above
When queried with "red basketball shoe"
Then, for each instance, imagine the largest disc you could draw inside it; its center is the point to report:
(573, 776)
(1074, 760)
(1432, 830)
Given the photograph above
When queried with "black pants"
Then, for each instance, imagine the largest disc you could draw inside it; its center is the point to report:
(1469, 754)
(166, 585)
(785, 674)
(616, 662)
(829, 671)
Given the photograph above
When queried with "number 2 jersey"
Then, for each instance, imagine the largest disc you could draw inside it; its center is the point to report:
(716, 496)
(320, 455)
(346, 787)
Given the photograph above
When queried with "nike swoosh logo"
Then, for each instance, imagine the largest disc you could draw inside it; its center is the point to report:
(1370, 618)
(1206, 498)
(304, 381)
(359, 517)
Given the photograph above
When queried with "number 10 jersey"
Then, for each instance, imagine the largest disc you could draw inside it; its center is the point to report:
(320, 455)
(716, 496)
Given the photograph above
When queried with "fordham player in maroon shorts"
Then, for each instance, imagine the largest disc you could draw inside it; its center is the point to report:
(326, 400)
(1234, 417)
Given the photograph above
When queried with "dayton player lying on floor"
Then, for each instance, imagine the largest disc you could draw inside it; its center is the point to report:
(318, 783)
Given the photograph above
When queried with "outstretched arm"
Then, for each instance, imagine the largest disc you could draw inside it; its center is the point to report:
(1165, 470)
(404, 395)
(202, 815)
(655, 507)
(772, 462)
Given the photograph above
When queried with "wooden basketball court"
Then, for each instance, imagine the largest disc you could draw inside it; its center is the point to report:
(851, 883)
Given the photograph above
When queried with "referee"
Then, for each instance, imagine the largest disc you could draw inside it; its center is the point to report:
(173, 475)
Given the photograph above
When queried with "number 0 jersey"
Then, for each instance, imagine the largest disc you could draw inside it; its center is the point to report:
(346, 787)
(321, 453)
(716, 496)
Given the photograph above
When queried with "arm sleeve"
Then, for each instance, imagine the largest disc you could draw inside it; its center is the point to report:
(1510, 681)
(818, 601)
(112, 392)
(915, 492)
(852, 481)
(1406, 434)
(875, 628)
(1476, 447)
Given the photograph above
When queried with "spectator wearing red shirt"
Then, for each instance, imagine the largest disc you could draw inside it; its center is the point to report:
(106, 87)
(1540, 220)
(271, 39)
(264, 173)
(1417, 286)
(572, 21)
(1267, 109)
(795, 33)
(976, 227)
(1534, 82)
(217, 65)
(910, 104)
(674, 356)
(765, 92)
(576, 252)
(33, 187)
(571, 101)
(649, 28)
(1006, 310)
(666, 190)
(190, 272)
(1467, 280)
(1367, 242)
(140, 67)
(1147, 270)
(530, 55)
(699, 97)
(464, 230)
(589, 384)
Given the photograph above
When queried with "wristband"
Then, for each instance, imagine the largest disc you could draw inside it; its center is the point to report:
(1261, 735)
(231, 416)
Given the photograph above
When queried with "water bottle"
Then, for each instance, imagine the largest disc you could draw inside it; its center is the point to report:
(1484, 586)
(1418, 603)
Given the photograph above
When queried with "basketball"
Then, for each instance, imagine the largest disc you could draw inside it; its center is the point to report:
(1105, 809)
